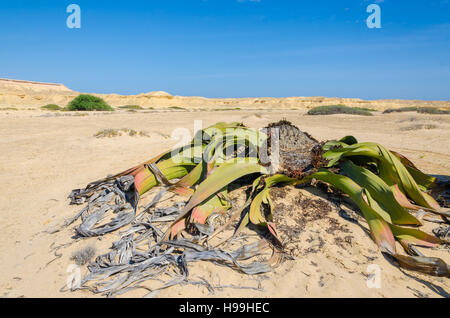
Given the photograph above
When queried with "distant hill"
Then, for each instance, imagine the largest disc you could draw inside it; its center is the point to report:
(28, 94)
(11, 85)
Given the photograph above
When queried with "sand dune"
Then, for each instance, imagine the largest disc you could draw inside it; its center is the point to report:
(25, 95)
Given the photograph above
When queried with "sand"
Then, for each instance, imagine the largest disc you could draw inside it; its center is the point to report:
(44, 155)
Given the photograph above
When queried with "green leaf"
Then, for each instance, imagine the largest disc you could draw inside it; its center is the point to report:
(362, 149)
(263, 197)
(224, 175)
(391, 170)
(145, 179)
(220, 178)
(183, 186)
(380, 230)
(349, 140)
(380, 191)
(255, 214)
(405, 181)
(213, 205)
(414, 236)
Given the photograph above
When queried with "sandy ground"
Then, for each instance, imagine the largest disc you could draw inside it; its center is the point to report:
(43, 156)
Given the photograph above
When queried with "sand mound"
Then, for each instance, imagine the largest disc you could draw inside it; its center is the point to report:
(159, 94)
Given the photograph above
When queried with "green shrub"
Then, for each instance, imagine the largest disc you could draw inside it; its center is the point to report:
(131, 107)
(89, 103)
(51, 107)
(177, 107)
(339, 109)
(226, 109)
(422, 110)
(433, 110)
(400, 110)
(364, 108)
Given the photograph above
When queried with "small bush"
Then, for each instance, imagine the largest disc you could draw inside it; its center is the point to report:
(433, 110)
(134, 107)
(339, 109)
(421, 110)
(226, 109)
(89, 103)
(400, 110)
(177, 107)
(368, 109)
(51, 107)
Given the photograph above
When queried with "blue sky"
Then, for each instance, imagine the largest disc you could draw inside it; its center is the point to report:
(232, 48)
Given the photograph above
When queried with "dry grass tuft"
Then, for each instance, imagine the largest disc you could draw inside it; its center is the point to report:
(418, 127)
(109, 133)
(84, 255)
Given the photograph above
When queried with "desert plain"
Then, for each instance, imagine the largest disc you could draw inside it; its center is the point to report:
(45, 154)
